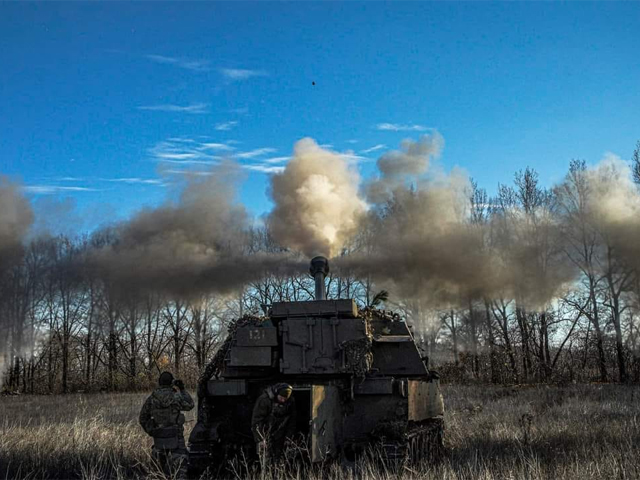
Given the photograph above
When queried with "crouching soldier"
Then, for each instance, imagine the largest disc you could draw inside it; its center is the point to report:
(160, 417)
(273, 421)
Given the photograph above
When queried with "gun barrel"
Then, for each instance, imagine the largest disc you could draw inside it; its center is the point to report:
(319, 270)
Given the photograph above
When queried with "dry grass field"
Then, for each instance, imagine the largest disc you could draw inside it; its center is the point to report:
(575, 432)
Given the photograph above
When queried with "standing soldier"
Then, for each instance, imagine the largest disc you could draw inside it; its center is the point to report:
(160, 417)
(273, 421)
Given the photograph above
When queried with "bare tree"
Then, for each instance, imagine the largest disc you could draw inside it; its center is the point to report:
(69, 294)
(582, 249)
(176, 315)
(450, 321)
(207, 326)
(500, 309)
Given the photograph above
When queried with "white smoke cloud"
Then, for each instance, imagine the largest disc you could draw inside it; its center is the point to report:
(317, 207)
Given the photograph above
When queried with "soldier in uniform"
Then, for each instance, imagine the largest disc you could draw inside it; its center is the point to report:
(274, 421)
(161, 418)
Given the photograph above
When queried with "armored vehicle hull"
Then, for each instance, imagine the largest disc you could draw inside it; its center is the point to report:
(358, 379)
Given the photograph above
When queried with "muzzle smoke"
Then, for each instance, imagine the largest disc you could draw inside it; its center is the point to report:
(425, 247)
(609, 209)
(421, 243)
(422, 246)
(194, 245)
(317, 207)
(16, 217)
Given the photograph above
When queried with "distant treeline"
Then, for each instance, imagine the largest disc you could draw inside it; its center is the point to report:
(68, 334)
(532, 285)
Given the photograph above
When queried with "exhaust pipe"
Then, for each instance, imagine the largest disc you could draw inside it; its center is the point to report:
(319, 270)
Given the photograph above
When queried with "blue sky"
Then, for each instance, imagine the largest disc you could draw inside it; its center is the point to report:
(97, 98)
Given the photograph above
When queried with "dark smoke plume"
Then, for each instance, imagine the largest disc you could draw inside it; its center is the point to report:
(424, 247)
(16, 218)
(611, 208)
(194, 245)
(420, 241)
(398, 167)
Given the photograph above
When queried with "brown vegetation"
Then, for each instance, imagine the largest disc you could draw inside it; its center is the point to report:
(574, 432)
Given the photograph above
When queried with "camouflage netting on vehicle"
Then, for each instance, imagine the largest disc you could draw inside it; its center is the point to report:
(358, 356)
(215, 366)
(371, 313)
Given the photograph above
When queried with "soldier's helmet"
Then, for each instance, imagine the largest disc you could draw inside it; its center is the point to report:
(284, 390)
(165, 379)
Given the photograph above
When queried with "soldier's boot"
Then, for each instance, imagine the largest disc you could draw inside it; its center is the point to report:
(180, 460)
(276, 451)
(161, 460)
(180, 465)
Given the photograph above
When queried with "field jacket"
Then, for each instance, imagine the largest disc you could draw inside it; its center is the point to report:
(272, 419)
(160, 416)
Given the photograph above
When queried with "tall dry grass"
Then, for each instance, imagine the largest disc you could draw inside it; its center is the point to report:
(575, 432)
(73, 436)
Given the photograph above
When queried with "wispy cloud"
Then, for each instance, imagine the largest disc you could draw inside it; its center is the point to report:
(188, 151)
(353, 140)
(185, 63)
(276, 160)
(402, 128)
(136, 181)
(195, 108)
(353, 158)
(70, 179)
(374, 149)
(51, 189)
(269, 169)
(241, 74)
(226, 126)
(258, 152)
(215, 146)
(198, 173)
(174, 156)
(192, 162)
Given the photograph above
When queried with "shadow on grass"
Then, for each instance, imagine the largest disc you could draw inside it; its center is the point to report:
(555, 452)
(68, 466)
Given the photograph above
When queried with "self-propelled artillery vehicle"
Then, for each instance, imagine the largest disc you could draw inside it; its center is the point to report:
(357, 374)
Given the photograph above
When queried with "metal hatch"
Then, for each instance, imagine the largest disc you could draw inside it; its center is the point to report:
(325, 417)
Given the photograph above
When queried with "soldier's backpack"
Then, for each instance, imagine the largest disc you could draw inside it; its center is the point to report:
(166, 422)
